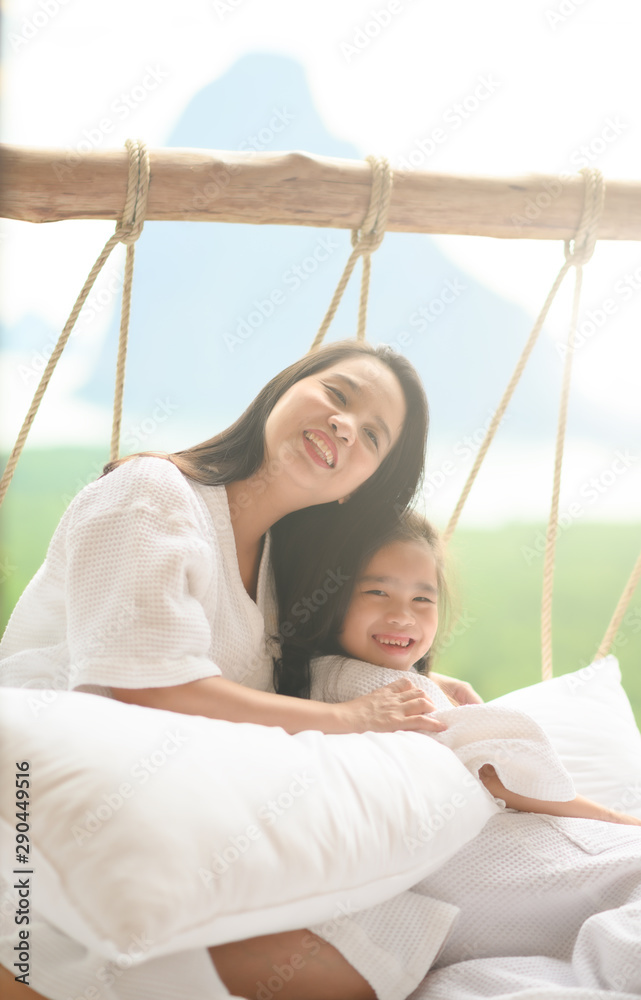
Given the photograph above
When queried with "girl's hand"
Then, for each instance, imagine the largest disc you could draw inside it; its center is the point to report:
(459, 691)
(399, 705)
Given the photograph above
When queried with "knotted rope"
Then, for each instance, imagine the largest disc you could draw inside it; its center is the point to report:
(365, 241)
(131, 224)
(128, 230)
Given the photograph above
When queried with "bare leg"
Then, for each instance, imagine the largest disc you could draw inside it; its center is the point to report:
(11, 990)
(295, 965)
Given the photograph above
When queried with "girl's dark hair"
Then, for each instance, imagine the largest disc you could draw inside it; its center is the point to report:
(318, 635)
(315, 547)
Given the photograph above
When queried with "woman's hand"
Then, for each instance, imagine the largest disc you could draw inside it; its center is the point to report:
(399, 705)
(460, 691)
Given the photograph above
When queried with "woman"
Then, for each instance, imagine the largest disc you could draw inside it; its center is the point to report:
(157, 586)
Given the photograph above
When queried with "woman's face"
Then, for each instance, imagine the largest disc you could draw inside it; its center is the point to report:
(331, 430)
(392, 616)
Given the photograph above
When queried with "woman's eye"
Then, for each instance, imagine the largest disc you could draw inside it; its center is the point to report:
(339, 395)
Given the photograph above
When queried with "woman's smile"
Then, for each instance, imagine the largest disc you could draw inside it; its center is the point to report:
(346, 419)
(321, 448)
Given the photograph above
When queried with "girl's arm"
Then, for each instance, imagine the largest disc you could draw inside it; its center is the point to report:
(399, 705)
(578, 807)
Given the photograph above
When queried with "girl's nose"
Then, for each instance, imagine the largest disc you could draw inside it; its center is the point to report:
(343, 426)
(400, 616)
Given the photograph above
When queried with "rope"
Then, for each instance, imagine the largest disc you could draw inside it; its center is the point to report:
(620, 610)
(128, 230)
(133, 220)
(365, 241)
(552, 528)
(577, 252)
(502, 407)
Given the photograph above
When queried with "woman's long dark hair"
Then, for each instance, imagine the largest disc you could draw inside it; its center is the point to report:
(315, 547)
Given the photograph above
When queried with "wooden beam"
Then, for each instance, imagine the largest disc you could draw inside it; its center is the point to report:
(48, 185)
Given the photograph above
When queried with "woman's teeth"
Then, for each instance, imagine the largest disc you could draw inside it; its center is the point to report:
(321, 447)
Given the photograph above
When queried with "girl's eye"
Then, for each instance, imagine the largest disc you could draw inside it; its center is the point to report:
(426, 600)
(377, 593)
(373, 438)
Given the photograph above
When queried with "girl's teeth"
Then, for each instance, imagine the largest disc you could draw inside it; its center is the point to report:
(394, 642)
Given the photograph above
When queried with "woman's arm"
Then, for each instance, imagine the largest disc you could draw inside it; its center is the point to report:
(399, 705)
(579, 806)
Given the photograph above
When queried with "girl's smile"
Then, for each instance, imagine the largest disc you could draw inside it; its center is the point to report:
(394, 643)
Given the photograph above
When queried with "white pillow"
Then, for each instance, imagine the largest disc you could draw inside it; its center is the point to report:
(590, 723)
(186, 831)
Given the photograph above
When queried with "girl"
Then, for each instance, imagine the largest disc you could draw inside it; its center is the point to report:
(556, 878)
(391, 622)
(157, 587)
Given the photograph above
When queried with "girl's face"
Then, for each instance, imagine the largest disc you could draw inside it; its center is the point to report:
(331, 430)
(392, 617)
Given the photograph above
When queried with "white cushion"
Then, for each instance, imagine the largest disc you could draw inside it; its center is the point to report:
(590, 723)
(184, 831)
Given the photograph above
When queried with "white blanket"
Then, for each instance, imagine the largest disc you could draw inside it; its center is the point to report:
(548, 907)
(531, 978)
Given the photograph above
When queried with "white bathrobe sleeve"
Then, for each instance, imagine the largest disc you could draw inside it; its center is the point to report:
(138, 565)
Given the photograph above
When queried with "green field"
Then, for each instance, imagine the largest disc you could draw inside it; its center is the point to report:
(496, 573)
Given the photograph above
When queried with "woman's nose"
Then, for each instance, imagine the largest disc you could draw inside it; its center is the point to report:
(343, 426)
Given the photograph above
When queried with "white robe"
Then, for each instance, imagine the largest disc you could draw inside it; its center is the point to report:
(141, 588)
(561, 896)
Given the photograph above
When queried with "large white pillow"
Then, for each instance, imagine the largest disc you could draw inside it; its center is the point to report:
(589, 720)
(184, 831)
